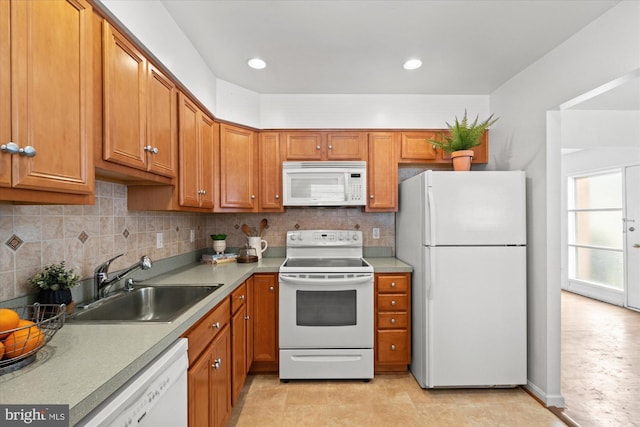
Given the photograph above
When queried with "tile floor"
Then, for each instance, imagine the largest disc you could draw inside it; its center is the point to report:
(387, 400)
(600, 362)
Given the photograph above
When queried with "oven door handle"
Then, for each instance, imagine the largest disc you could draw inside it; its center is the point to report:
(341, 280)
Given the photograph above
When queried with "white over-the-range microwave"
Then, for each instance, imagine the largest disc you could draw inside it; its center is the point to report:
(324, 183)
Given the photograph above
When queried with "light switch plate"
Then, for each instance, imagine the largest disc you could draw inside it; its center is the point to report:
(158, 240)
(376, 233)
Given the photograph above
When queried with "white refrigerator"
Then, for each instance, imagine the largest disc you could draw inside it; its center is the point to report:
(464, 234)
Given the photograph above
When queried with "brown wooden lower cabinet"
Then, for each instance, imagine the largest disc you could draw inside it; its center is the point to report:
(265, 323)
(239, 328)
(393, 322)
(209, 375)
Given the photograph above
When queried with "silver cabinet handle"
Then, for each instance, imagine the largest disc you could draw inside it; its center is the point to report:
(393, 321)
(10, 147)
(216, 325)
(151, 149)
(246, 318)
(277, 196)
(393, 347)
(253, 196)
(393, 284)
(217, 363)
(241, 297)
(371, 196)
(271, 289)
(203, 192)
(331, 147)
(317, 147)
(28, 151)
(13, 148)
(393, 303)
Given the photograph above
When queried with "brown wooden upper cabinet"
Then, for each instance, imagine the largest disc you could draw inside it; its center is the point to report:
(237, 182)
(140, 109)
(325, 145)
(415, 148)
(46, 83)
(382, 173)
(270, 172)
(198, 140)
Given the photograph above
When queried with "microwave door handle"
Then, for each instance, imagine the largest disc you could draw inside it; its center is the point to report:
(326, 281)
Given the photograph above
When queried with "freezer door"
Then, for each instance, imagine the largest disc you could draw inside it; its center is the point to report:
(477, 330)
(475, 208)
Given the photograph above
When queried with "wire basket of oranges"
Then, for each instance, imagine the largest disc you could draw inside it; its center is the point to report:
(25, 330)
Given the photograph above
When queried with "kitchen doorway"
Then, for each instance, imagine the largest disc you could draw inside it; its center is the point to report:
(597, 133)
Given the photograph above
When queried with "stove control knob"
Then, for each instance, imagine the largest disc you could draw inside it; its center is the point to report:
(292, 236)
(355, 236)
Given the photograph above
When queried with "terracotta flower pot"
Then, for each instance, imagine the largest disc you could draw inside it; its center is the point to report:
(462, 160)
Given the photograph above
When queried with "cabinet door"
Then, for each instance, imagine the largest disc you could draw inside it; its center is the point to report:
(124, 100)
(51, 94)
(199, 379)
(270, 182)
(382, 173)
(303, 145)
(415, 146)
(238, 171)
(5, 90)
(221, 379)
(188, 149)
(207, 134)
(249, 319)
(346, 146)
(161, 124)
(265, 319)
(238, 352)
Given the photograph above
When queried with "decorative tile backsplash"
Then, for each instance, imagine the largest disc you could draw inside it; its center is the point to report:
(85, 236)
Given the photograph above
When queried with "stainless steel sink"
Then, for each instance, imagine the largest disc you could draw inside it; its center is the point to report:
(160, 304)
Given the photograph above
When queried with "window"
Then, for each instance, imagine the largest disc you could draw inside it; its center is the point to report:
(595, 229)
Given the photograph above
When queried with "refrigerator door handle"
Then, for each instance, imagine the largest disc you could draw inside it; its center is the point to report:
(432, 219)
(432, 272)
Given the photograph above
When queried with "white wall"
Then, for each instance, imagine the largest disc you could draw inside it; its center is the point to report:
(367, 111)
(604, 50)
(597, 128)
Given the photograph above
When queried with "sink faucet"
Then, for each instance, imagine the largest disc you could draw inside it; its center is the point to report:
(101, 273)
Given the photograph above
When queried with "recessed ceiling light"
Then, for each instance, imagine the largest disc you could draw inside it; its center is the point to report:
(256, 63)
(412, 64)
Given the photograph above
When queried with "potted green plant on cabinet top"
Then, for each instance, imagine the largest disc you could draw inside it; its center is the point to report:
(55, 283)
(462, 137)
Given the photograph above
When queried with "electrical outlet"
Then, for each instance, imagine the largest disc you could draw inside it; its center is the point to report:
(158, 240)
(376, 233)
(192, 235)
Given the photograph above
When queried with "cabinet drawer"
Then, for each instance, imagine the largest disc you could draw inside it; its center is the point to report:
(393, 302)
(393, 284)
(204, 331)
(393, 320)
(238, 297)
(393, 346)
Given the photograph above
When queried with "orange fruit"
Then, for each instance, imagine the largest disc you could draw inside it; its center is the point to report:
(8, 320)
(23, 340)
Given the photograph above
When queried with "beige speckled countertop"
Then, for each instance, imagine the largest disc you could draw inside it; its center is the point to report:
(85, 363)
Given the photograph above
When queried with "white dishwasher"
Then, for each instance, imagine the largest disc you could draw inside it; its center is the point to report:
(155, 397)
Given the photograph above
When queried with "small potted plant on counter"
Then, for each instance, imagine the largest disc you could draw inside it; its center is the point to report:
(462, 137)
(219, 242)
(55, 283)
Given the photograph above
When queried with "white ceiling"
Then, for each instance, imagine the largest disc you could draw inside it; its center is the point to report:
(349, 47)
